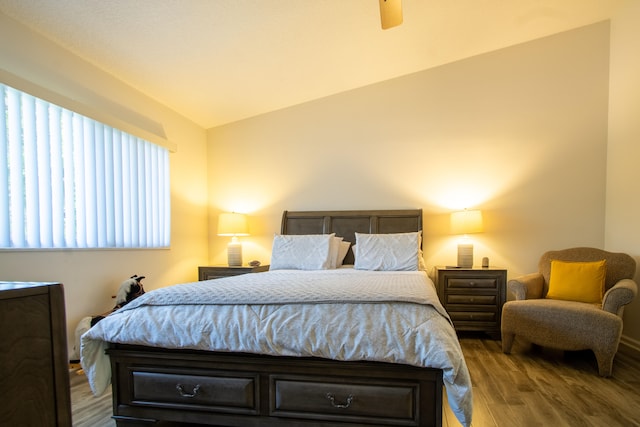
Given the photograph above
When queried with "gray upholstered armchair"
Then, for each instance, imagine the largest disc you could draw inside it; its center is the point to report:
(571, 325)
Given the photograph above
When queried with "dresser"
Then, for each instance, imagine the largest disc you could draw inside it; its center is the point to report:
(219, 271)
(473, 297)
(34, 369)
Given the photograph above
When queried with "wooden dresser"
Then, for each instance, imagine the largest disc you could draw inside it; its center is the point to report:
(34, 369)
(473, 297)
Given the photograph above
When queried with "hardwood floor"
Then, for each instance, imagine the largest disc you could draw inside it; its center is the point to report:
(87, 410)
(531, 387)
(543, 387)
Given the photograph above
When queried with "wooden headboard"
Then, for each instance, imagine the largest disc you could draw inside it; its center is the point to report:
(346, 223)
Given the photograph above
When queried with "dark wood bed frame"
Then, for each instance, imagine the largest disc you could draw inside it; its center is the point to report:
(155, 386)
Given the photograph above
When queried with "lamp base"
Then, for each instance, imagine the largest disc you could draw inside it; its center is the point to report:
(465, 255)
(234, 254)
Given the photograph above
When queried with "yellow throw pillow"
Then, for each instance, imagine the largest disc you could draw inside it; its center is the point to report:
(577, 281)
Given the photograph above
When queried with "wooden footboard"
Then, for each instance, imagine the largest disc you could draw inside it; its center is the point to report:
(229, 389)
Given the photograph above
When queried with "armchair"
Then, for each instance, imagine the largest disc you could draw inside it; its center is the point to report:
(566, 324)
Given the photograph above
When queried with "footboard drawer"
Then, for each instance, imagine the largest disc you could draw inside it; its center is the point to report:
(152, 385)
(209, 392)
(349, 400)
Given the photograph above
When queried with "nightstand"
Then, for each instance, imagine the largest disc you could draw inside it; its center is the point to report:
(473, 297)
(219, 271)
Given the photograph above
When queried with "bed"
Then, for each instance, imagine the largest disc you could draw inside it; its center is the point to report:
(330, 345)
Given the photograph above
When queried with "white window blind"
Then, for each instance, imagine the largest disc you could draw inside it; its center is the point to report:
(72, 182)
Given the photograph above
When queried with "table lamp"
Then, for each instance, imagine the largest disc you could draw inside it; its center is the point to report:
(233, 224)
(466, 222)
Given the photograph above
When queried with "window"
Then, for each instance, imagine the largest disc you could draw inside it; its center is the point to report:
(72, 182)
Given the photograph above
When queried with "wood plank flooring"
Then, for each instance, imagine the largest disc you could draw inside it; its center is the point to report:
(529, 388)
(86, 409)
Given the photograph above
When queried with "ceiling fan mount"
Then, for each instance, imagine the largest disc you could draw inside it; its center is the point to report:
(390, 13)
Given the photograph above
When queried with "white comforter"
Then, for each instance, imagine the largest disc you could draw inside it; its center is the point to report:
(341, 314)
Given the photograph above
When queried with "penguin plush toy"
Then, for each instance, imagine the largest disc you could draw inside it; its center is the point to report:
(129, 290)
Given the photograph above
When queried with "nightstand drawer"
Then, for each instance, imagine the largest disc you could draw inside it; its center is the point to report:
(473, 283)
(218, 272)
(472, 299)
(473, 316)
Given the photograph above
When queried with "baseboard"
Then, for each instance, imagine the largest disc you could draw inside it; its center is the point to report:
(630, 346)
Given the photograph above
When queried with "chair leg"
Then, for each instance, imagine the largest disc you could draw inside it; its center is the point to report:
(605, 363)
(507, 341)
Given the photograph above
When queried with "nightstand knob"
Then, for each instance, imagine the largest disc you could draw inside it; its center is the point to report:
(472, 283)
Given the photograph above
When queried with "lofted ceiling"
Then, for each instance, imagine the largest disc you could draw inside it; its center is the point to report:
(218, 61)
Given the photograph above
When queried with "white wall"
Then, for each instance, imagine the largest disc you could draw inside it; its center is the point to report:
(623, 154)
(91, 277)
(520, 133)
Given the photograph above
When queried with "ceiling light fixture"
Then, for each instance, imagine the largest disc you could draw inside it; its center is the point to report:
(390, 13)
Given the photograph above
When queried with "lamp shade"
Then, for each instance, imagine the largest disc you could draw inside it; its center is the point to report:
(466, 222)
(232, 224)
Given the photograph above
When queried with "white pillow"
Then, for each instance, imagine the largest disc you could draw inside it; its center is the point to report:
(334, 250)
(387, 252)
(342, 252)
(301, 252)
(421, 264)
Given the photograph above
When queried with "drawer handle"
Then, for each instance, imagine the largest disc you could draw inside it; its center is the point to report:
(472, 283)
(332, 399)
(183, 393)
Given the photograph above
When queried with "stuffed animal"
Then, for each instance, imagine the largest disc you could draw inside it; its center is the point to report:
(129, 290)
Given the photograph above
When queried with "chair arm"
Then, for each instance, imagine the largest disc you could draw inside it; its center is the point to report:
(619, 295)
(528, 286)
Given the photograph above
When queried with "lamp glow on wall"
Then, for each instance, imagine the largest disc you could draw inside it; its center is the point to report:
(233, 224)
(466, 222)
